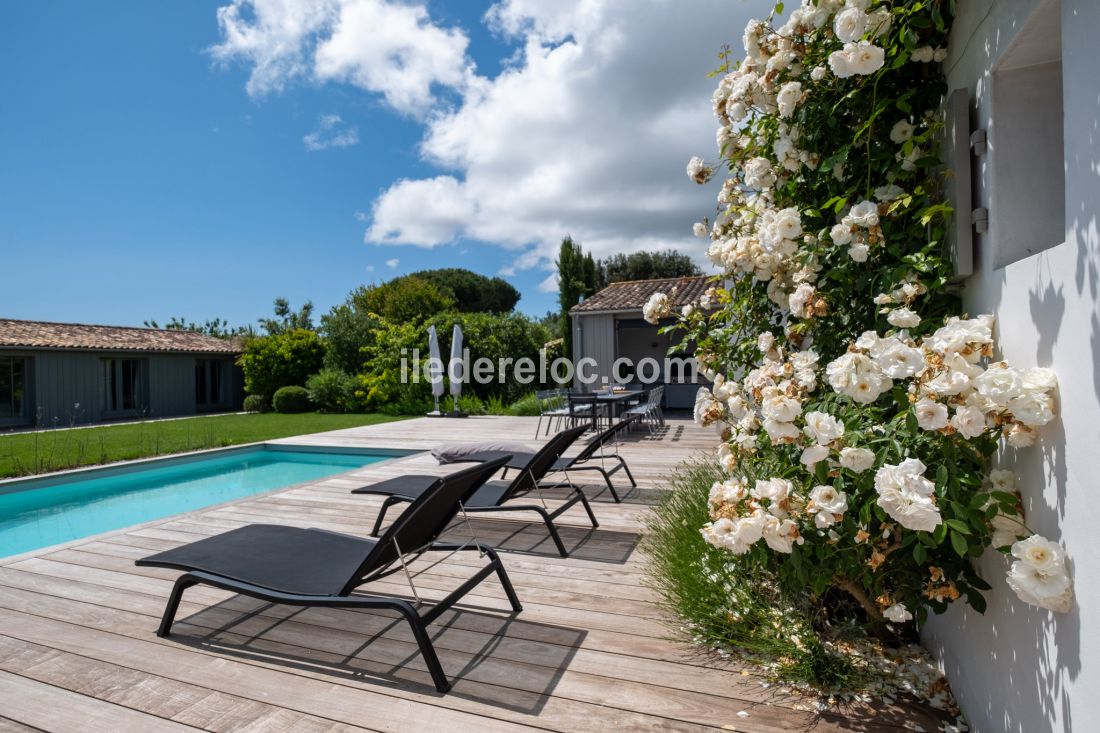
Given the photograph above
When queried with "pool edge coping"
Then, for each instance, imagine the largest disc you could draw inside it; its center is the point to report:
(52, 478)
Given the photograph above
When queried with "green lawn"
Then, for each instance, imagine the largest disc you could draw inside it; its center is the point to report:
(23, 454)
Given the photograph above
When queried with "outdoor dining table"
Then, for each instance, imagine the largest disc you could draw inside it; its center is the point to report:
(614, 401)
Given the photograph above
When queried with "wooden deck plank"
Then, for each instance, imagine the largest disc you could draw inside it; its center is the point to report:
(7, 725)
(590, 650)
(52, 708)
(184, 703)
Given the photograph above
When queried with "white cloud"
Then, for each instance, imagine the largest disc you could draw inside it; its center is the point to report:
(586, 134)
(423, 212)
(331, 132)
(273, 36)
(387, 47)
(370, 268)
(393, 263)
(525, 261)
(394, 49)
(549, 284)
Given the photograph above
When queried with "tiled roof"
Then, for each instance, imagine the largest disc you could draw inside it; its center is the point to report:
(44, 335)
(633, 294)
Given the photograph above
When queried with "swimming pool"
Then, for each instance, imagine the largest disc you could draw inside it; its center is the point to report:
(41, 512)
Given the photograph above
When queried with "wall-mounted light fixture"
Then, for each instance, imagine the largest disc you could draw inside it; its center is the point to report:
(979, 219)
(978, 144)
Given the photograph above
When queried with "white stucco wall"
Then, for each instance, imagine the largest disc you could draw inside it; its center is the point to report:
(1019, 668)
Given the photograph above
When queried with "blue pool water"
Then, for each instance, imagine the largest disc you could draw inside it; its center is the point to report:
(39, 513)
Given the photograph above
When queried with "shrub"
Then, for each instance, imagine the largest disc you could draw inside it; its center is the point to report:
(411, 404)
(257, 403)
(468, 403)
(283, 360)
(291, 399)
(526, 406)
(332, 390)
(380, 388)
(495, 405)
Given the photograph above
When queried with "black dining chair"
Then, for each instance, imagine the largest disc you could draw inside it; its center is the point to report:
(585, 407)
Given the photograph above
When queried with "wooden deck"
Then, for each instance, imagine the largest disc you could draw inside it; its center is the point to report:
(590, 652)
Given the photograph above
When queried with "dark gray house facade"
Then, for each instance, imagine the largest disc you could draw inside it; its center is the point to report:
(62, 373)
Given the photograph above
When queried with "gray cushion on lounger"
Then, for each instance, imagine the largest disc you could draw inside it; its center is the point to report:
(457, 451)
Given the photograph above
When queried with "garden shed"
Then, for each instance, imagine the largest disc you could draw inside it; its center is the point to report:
(609, 326)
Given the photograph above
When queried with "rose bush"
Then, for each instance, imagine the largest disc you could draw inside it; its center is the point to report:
(858, 416)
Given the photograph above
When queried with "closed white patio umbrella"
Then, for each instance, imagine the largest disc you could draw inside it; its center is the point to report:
(435, 368)
(456, 370)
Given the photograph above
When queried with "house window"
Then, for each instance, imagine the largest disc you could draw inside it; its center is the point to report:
(13, 386)
(1028, 192)
(123, 385)
(209, 387)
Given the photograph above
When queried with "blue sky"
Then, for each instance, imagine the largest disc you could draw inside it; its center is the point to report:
(140, 178)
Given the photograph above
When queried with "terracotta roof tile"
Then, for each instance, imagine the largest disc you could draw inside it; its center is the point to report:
(45, 335)
(633, 294)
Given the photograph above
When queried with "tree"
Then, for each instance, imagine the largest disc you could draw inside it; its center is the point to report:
(577, 276)
(551, 321)
(346, 329)
(403, 300)
(471, 291)
(287, 319)
(217, 327)
(646, 266)
(281, 360)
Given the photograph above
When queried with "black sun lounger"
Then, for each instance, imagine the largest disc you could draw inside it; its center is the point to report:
(495, 495)
(590, 458)
(315, 567)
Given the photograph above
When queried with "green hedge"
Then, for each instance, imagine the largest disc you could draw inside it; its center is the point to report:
(284, 360)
